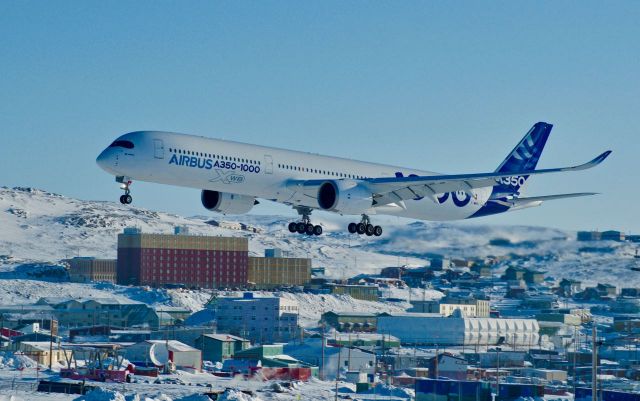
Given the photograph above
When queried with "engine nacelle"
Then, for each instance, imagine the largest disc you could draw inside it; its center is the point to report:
(344, 196)
(227, 203)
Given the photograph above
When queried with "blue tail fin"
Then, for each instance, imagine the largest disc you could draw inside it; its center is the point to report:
(524, 157)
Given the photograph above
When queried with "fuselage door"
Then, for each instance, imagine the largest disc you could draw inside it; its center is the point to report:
(268, 164)
(158, 149)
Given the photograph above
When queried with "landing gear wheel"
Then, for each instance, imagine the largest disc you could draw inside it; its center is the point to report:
(369, 230)
(292, 227)
(309, 229)
(377, 231)
(301, 227)
(353, 228)
(125, 182)
(304, 226)
(361, 228)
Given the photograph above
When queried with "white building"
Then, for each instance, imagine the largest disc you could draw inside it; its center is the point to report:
(310, 351)
(260, 319)
(433, 329)
(181, 355)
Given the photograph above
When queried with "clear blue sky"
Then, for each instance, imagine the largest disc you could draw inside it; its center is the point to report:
(444, 86)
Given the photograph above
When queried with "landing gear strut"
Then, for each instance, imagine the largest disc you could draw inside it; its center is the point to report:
(125, 199)
(304, 226)
(365, 227)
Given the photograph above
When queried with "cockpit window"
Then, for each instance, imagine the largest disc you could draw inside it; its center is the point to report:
(122, 144)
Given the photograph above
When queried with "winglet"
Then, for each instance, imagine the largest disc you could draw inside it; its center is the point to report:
(595, 161)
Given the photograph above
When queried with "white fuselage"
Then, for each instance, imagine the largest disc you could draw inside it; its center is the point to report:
(265, 172)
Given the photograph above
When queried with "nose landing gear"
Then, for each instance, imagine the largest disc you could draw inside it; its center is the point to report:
(125, 199)
(365, 227)
(305, 226)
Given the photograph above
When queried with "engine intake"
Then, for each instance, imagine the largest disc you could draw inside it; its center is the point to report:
(344, 196)
(227, 203)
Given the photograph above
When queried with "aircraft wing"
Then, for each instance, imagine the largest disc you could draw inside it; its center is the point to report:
(531, 201)
(395, 189)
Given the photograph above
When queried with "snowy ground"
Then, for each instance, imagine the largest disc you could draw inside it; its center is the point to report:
(39, 226)
(184, 386)
(18, 288)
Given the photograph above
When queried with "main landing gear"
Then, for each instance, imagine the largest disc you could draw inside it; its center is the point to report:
(365, 227)
(125, 199)
(304, 226)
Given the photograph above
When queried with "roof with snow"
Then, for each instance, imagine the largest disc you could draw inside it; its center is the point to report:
(225, 337)
(173, 345)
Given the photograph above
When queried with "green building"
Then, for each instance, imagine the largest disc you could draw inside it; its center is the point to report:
(272, 356)
(351, 321)
(218, 347)
(363, 292)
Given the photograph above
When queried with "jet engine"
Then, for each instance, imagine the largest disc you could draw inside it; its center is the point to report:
(227, 203)
(344, 196)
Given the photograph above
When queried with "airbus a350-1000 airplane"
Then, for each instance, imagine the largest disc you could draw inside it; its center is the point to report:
(232, 176)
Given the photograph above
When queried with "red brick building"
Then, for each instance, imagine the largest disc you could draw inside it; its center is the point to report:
(187, 260)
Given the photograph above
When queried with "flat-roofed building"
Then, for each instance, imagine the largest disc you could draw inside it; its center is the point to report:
(271, 272)
(187, 260)
(363, 292)
(260, 319)
(470, 307)
(430, 329)
(86, 269)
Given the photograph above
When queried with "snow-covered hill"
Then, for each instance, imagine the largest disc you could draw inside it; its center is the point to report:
(39, 226)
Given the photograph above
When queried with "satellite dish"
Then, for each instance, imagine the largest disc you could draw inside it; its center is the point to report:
(158, 354)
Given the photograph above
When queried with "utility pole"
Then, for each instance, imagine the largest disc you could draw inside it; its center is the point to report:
(498, 371)
(50, 343)
(594, 364)
(322, 374)
(349, 353)
(338, 372)
(575, 356)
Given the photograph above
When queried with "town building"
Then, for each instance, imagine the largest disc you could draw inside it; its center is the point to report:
(427, 389)
(364, 340)
(84, 270)
(350, 321)
(79, 312)
(607, 290)
(44, 352)
(419, 276)
(393, 272)
(181, 355)
(514, 273)
(218, 347)
(569, 287)
(272, 272)
(267, 357)
(481, 270)
(610, 235)
(260, 319)
(449, 366)
(446, 306)
(589, 236)
(363, 292)
(348, 358)
(433, 329)
(532, 276)
(439, 263)
(187, 260)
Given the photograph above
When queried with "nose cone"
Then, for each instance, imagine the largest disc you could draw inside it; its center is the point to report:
(106, 160)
